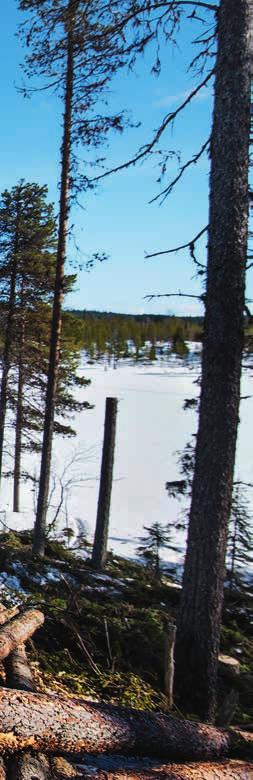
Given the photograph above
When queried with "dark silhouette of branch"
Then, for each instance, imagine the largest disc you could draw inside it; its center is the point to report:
(189, 245)
(144, 151)
(179, 294)
(167, 190)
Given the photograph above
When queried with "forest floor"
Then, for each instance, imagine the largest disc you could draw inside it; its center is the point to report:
(103, 636)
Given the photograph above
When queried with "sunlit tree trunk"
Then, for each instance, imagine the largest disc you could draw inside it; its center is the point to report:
(40, 523)
(198, 632)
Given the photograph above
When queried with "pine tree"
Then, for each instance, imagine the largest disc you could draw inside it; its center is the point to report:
(240, 536)
(27, 228)
(77, 47)
(156, 539)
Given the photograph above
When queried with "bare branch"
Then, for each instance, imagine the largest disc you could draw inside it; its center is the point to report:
(167, 190)
(179, 294)
(168, 119)
(188, 245)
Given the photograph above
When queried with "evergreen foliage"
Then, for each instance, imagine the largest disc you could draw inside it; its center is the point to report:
(156, 539)
(240, 536)
(123, 335)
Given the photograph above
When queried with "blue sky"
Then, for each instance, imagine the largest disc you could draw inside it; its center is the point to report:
(117, 218)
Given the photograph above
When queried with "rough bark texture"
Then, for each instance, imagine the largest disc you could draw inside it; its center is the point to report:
(18, 671)
(40, 523)
(226, 770)
(53, 723)
(19, 630)
(198, 632)
(7, 614)
(99, 552)
(29, 767)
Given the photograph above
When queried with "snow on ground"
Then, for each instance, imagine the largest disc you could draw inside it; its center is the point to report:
(151, 428)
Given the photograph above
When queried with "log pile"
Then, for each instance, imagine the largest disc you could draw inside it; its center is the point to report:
(35, 728)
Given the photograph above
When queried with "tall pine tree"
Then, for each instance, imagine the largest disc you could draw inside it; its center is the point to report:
(77, 47)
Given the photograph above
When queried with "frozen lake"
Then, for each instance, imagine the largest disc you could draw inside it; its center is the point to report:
(151, 427)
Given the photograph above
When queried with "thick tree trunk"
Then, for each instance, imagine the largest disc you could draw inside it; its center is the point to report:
(53, 723)
(19, 630)
(225, 770)
(99, 552)
(19, 422)
(18, 671)
(40, 523)
(198, 632)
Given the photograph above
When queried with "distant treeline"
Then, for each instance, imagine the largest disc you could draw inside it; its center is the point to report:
(121, 334)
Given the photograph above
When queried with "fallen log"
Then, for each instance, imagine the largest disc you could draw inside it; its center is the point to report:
(19, 630)
(2, 770)
(29, 767)
(224, 770)
(7, 614)
(54, 723)
(18, 671)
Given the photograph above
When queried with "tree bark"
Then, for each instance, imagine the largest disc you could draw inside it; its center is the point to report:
(40, 523)
(19, 630)
(7, 614)
(53, 723)
(198, 634)
(225, 770)
(19, 419)
(18, 671)
(99, 552)
(3, 775)
(29, 767)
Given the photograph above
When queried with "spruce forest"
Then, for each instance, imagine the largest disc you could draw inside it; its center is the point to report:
(126, 487)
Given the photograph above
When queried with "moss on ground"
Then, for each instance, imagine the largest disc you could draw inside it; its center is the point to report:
(103, 636)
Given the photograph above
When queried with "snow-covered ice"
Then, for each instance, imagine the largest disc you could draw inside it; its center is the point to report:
(151, 428)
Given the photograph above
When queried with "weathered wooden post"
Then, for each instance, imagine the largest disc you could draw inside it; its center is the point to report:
(169, 644)
(99, 552)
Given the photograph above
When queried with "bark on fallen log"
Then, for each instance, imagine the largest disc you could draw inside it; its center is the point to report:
(224, 770)
(29, 767)
(18, 671)
(19, 630)
(7, 614)
(2, 770)
(53, 723)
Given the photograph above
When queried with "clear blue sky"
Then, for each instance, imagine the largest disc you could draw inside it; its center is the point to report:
(117, 218)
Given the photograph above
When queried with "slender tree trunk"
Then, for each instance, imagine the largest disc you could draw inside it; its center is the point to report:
(99, 552)
(198, 632)
(40, 523)
(19, 421)
(8, 340)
